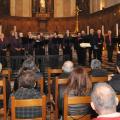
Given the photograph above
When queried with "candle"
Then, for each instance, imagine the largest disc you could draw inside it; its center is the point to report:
(117, 29)
(88, 30)
(14, 28)
(0, 29)
(103, 31)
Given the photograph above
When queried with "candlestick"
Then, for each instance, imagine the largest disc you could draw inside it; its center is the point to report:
(0, 29)
(103, 31)
(88, 30)
(117, 29)
(14, 28)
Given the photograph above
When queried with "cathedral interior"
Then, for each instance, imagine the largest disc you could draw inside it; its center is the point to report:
(38, 36)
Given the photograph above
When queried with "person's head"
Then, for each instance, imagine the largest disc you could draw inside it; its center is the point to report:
(67, 32)
(27, 79)
(109, 32)
(29, 33)
(29, 64)
(55, 34)
(91, 31)
(83, 32)
(79, 82)
(20, 34)
(95, 64)
(67, 66)
(38, 36)
(103, 99)
(41, 34)
(99, 31)
(78, 34)
(51, 35)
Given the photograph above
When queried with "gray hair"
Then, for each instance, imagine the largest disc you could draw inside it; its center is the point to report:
(67, 66)
(29, 62)
(95, 64)
(103, 97)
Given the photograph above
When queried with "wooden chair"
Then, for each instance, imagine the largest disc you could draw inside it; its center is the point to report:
(7, 72)
(41, 83)
(59, 81)
(99, 79)
(88, 69)
(50, 72)
(74, 101)
(3, 98)
(28, 103)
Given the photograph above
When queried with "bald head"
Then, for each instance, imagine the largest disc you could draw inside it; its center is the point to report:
(103, 97)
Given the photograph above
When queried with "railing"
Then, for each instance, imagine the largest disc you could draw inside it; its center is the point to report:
(44, 61)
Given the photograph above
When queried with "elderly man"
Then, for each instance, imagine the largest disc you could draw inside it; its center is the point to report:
(104, 102)
(97, 70)
(93, 43)
(67, 68)
(99, 47)
(110, 45)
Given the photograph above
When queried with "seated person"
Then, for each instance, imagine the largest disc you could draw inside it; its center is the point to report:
(67, 68)
(104, 102)
(28, 64)
(114, 80)
(97, 71)
(79, 84)
(26, 91)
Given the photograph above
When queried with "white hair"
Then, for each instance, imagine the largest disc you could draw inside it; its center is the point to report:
(95, 64)
(67, 66)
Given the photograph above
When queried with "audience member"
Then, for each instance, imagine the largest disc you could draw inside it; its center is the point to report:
(26, 91)
(97, 71)
(114, 80)
(104, 102)
(79, 84)
(28, 64)
(67, 69)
